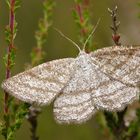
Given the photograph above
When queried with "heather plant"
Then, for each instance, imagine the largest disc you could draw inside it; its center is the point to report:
(11, 120)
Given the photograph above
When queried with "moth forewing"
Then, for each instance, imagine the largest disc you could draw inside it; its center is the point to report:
(41, 84)
(121, 64)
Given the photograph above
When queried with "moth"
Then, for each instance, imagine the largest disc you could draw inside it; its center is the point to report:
(107, 79)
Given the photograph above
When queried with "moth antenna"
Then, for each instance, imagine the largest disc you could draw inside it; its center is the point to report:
(68, 39)
(92, 33)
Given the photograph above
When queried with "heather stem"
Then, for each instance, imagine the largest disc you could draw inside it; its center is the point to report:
(32, 118)
(11, 46)
(117, 123)
(81, 14)
(115, 26)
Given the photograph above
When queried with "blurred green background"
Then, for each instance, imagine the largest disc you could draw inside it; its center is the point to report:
(57, 47)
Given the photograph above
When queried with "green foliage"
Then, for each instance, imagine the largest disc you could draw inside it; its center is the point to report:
(10, 35)
(115, 121)
(19, 116)
(15, 113)
(16, 5)
(81, 14)
(37, 54)
(9, 60)
(132, 131)
(112, 120)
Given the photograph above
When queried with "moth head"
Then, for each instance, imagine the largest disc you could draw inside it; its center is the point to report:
(75, 44)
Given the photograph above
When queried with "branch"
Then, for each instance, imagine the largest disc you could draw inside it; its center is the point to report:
(10, 33)
(115, 26)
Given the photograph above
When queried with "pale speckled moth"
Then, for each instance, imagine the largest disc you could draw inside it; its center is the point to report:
(107, 79)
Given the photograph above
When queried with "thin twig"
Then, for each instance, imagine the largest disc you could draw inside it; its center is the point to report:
(32, 118)
(118, 131)
(8, 63)
(119, 124)
(81, 14)
(115, 26)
